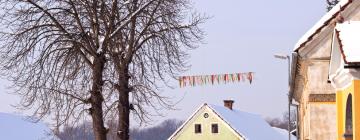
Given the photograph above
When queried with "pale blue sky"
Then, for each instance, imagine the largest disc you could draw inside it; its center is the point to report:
(241, 36)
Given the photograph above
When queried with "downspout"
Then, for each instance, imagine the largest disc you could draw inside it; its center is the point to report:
(291, 92)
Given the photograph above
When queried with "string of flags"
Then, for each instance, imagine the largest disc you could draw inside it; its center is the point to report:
(197, 80)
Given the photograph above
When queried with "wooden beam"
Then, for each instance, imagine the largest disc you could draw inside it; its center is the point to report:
(322, 97)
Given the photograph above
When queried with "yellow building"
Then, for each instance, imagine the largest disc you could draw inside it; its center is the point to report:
(212, 122)
(344, 74)
(326, 74)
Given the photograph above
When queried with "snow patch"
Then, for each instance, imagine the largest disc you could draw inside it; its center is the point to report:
(284, 133)
(250, 126)
(349, 33)
(127, 2)
(126, 21)
(101, 41)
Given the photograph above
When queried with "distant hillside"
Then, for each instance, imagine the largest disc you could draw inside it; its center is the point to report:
(158, 132)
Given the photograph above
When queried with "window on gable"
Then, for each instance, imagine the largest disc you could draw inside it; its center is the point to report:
(197, 128)
(214, 128)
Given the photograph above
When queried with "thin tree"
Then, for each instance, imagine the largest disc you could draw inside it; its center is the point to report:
(71, 58)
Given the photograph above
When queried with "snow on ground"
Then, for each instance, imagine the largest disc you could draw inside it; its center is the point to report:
(284, 133)
(14, 127)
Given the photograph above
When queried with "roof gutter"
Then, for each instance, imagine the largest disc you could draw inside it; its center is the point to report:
(293, 70)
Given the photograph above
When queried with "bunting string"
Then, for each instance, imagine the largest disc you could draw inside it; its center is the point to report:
(199, 80)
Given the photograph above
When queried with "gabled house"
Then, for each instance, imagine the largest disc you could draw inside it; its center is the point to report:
(326, 76)
(212, 122)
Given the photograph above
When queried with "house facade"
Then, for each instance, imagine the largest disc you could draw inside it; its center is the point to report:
(344, 74)
(325, 76)
(212, 122)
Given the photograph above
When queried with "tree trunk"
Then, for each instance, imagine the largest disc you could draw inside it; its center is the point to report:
(123, 106)
(97, 99)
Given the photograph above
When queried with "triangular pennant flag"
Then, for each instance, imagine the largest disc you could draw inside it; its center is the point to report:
(250, 77)
(219, 78)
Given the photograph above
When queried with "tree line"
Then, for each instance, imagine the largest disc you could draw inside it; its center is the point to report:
(161, 131)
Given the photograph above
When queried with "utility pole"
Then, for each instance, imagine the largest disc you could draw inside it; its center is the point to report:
(284, 57)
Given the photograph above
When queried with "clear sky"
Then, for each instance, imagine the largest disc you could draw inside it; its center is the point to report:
(242, 36)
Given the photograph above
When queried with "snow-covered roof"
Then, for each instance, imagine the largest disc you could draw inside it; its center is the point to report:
(250, 126)
(284, 133)
(348, 34)
(14, 127)
(324, 21)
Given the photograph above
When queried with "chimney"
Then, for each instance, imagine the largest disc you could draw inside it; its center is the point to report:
(229, 104)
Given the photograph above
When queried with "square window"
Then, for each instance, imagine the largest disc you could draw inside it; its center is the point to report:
(214, 128)
(197, 128)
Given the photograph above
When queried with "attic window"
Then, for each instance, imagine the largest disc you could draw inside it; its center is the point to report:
(214, 128)
(197, 128)
(206, 115)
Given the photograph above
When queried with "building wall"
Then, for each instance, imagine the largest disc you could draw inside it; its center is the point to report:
(322, 120)
(354, 90)
(340, 122)
(188, 132)
(312, 78)
(317, 119)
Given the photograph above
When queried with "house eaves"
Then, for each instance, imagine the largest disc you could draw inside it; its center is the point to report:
(323, 22)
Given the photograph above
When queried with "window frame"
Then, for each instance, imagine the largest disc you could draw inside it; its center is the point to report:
(197, 128)
(214, 126)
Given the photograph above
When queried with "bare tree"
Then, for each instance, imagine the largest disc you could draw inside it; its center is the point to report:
(331, 4)
(161, 131)
(283, 122)
(79, 132)
(104, 57)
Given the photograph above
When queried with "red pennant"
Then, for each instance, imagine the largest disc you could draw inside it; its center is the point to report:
(250, 77)
(220, 78)
(212, 79)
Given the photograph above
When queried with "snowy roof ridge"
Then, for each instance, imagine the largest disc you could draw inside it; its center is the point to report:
(220, 115)
(248, 125)
(324, 21)
(347, 34)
